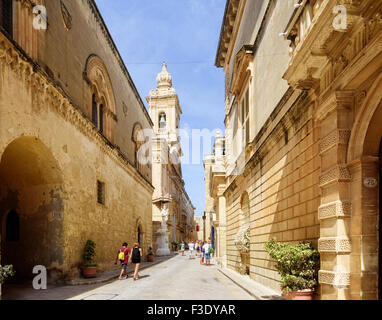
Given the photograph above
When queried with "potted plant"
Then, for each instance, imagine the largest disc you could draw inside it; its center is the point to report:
(89, 269)
(298, 267)
(150, 255)
(5, 272)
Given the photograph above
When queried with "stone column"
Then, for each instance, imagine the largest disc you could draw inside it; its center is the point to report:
(335, 117)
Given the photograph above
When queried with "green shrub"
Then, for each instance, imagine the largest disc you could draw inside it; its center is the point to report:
(89, 253)
(5, 272)
(297, 265)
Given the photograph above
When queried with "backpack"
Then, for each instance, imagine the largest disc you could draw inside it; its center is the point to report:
(211, 250)
(121, 255)
(136, 255)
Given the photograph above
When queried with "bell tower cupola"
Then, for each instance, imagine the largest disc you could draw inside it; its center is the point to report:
(164, 107)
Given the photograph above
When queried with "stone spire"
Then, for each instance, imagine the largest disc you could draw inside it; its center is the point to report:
(164, 79)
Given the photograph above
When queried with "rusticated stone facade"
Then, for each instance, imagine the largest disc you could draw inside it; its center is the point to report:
(303, 144)
(68, 169)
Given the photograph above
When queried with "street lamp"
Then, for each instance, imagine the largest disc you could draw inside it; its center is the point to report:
(204, 226)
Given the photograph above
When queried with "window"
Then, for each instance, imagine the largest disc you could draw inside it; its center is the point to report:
(94, 111)
(12, 229)
(100, 192)
(97, 114)
(138, 140)
(162, 121)
(244, 112)
(101, 110)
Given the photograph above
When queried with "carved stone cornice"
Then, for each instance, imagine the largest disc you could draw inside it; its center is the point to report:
(46, 94)
(226, 32)
(321, 52)
(336, 101)
(241, 68)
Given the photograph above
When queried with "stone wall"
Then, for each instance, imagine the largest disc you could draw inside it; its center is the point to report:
(57, 190)
(281, 180)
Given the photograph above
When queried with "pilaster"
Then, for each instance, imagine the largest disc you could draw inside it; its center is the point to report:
(335, 117)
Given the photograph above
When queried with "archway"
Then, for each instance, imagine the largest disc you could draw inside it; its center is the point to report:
(364, 158)
(31, 207)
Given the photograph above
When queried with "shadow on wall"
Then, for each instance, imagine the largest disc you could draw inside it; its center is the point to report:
(31, 208)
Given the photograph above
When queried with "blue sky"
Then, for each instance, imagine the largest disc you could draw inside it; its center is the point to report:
(184, 34)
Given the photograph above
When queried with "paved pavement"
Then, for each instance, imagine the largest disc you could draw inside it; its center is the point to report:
(177, 278)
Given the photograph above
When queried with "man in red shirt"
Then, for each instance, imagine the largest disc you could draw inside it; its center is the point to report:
(124, 261)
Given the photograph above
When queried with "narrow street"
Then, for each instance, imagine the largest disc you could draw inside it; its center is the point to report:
(176, 279)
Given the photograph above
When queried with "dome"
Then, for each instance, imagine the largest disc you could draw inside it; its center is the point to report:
(164, 79)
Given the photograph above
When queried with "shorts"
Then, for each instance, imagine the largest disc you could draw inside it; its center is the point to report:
(207, 255)
(124, 266)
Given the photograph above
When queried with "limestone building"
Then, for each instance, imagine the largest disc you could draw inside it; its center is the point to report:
(215, 219)
(199, 230)
(303, 138)
(69, 121)
(165, 110)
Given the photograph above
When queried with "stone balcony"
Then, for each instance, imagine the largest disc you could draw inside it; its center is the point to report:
(319, 33)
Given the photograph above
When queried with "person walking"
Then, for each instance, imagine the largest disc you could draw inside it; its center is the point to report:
(182, 247)
(191, 248)
(136, 259)
(208, 250)
(201, 252)
(197, 248)
(123, 257)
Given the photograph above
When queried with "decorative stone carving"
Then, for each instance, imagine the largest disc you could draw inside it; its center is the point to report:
(334, 244)
(338, 173)
(334, 210)
(333, 139)
(338, 279)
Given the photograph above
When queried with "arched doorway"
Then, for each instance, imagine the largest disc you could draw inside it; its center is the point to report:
(363, 159)
(31, 207)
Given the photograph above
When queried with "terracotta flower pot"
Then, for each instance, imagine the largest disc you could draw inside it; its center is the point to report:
(89, 272)
(306, 294)
(150, 258)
